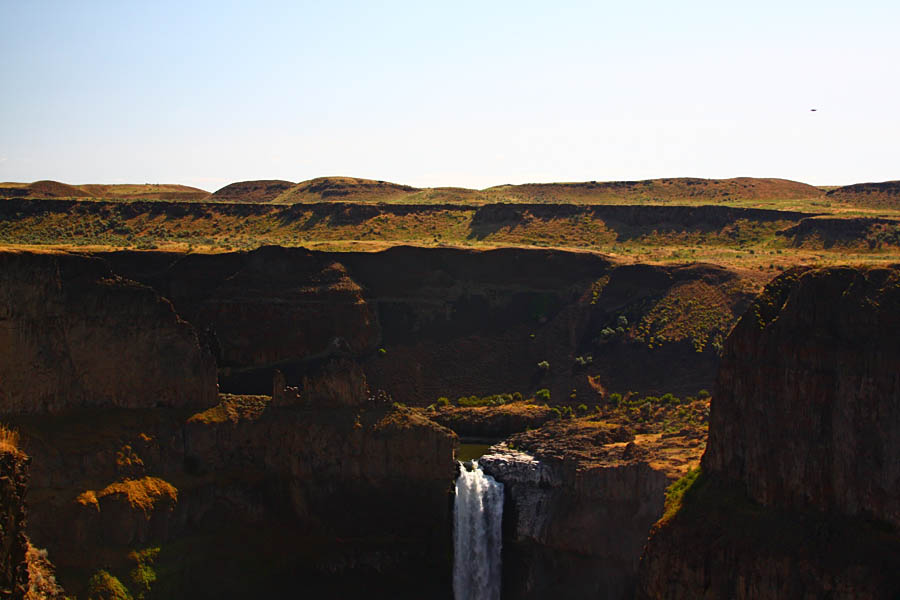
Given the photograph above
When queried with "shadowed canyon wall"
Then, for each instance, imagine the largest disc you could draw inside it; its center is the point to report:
(73, 334)
(443, 322)
(800, 490)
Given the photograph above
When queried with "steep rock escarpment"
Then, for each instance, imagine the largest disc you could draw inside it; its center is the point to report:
(808, 402)
(247, 498)
(452, 322)
(13, 541)
(579, 501)
(800, 490)
(263, 309)
(72, 334)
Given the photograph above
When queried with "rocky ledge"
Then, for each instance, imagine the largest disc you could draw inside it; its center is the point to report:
(580, 497)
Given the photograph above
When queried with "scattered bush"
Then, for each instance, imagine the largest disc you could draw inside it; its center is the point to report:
(615, 398)
(382, 351)
(669, 399)
(443, 401)
(542, 395)
(495, 400)
(104, 586)
(543, 365)
(583, 361)
(517, 396)
(703, 394)
(582, 408)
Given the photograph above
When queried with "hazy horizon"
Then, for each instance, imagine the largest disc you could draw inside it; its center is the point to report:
(470, 96)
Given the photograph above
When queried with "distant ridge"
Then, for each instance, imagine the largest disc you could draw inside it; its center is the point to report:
(885, 194)
(344, 188)
(124, 191)
(750, 188)
(42, 189)
(146, 191)
(677, 190)
(262, 190)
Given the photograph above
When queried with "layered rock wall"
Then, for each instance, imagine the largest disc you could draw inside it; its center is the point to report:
(72, 335)
(808, 404)
(13, 541)
(578, 506)
(799, 496)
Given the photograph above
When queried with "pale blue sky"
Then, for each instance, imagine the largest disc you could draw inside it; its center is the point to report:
(465, 93)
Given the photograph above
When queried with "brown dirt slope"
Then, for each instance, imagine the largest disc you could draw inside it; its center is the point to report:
(871, 195)
(656, 190)
(262, 190)
(344, 188)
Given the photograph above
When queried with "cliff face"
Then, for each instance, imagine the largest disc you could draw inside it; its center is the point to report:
(261, 309)
(13, 542)
(73, 335)
(246, 498)
(800, 491)
(451, 322)
(579, 500)
(809, 395)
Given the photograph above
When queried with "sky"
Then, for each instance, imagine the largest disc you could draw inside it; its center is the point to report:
(469, 94)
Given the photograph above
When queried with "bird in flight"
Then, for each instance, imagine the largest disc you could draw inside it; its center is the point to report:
(812, 110)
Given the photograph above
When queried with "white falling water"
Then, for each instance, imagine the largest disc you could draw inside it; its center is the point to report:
(478, 515)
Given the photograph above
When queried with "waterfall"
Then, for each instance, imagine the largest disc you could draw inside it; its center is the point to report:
(478, 515)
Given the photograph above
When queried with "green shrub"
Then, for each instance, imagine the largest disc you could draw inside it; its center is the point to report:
(104, 586)
(555, 413)
(542, 395)
(582, 408)
(675, 492)
(382, 351)
(443, 401)
(703, 394)
(517, 396)
(543, 365)
(622, 321)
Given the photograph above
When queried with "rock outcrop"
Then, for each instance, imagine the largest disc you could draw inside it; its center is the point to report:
(807, 413)
(13, 541)
(343, 498)
(267, 309)
(800, 490)
(579, 501)
(73, 335)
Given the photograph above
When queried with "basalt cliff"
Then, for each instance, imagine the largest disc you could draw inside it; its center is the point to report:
(799, 494)
(143, 477)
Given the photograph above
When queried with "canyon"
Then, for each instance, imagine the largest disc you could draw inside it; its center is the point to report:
(171, 404)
